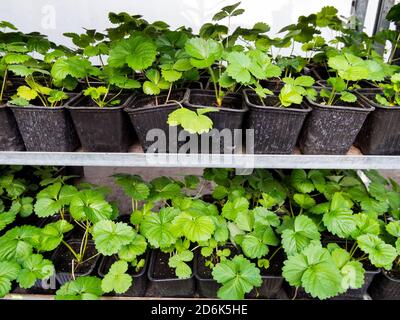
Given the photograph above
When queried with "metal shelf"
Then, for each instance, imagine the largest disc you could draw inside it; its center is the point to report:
(353, 160)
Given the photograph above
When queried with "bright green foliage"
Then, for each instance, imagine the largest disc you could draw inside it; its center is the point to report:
(158, 227)
(138, 52)
(340, 219)
(315, 270)
(34, 267)
(111, 237)
(195, 227)
(193, 122)
(8, 272)
(296, 238)
(117, 278)
(90, 205)
(83, 288)
(133, 186)
(18, 243)
(379, 253)
(296, 89)
(134, 249)
(203, 52)
(237, 276)
(179, 262)
(52, 199)
(155, 83)
(52, 235)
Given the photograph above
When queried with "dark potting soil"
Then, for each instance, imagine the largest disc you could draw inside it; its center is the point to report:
(395, 274)
(270, 101)
(209, 101)
(205, 272)
(338, 103)
(275, 265)
(161, 269)
(63, 260)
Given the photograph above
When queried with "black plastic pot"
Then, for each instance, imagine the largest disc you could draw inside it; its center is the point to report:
(62, 258)
(10, 138)
(206, 286)
(168, 286)
(145, 115)
(332, 129)
(385, 287)
(380, 134)
(138, 288)
(105, 129)
(230, 116)
(46, 129)
(276, 129)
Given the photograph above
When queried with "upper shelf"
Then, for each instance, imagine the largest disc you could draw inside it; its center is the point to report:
(136, 158)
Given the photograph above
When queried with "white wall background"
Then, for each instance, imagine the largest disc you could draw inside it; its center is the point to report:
(54, 17)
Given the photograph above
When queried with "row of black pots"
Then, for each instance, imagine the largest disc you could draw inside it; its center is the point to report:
(317, 128)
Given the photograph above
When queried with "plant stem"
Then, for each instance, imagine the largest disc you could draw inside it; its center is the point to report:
(169, 94)
(275, 252)
(71, 250)
(394, 49)
(3, 85)
(219, 102)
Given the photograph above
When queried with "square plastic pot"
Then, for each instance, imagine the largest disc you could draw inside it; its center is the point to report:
(380, 134)
(229, 116)
(10, 138)
(276, 129)
(385, 287)
(332, 129)
(168, 287)
(138, 287)
(59, 260)
(146, 115)
(46, 129)
(105, 129)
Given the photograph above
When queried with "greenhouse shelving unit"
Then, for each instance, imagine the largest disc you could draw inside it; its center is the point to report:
(353, 160)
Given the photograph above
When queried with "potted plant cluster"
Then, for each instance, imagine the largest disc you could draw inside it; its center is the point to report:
(317, 234)
(148, 76)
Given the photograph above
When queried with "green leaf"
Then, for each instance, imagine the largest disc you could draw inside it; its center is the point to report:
(300, 181)
(299, 236)
(393, 228)
(253, 247)
(110, 237)
(138, 52)
(171, 75)
(304, 81)
(238, 66)
(348, 97)
(136, 248)
(90, 204)
(190, 121)
(203, 52)
(52, 235)
(133, 186)
(194, 227)
(7, 218)
(178, 261)
(315, 270)
(340, 219)
(34, 268)
(117, 278)
(158, 228)
(9, 271)
(83, 288)
(26, 93)
(304, 201)
(232, 208)
(18, 242)
(379, 253)
(237, 276)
